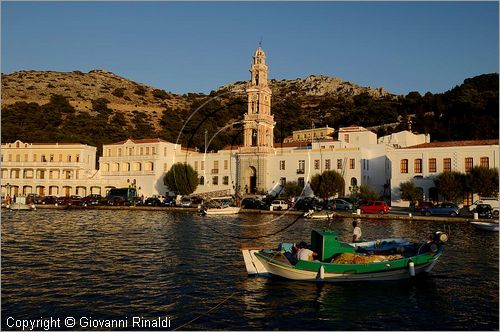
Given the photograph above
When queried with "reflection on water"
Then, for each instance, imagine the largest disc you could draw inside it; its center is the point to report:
(112, 264)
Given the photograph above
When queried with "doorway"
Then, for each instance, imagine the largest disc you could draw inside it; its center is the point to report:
(253, 180)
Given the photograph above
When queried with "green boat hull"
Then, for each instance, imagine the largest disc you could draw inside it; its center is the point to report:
(330, 272)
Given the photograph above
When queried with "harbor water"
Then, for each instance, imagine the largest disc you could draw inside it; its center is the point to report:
(118, 264)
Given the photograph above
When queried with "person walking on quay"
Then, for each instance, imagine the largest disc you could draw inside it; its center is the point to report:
(356, 233)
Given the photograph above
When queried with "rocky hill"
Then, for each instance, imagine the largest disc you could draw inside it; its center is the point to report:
(81, 89)
(125, 95)
(313, 85)
(101, 107)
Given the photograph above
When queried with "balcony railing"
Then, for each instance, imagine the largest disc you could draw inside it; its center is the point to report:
(300, 171)
(215, 171)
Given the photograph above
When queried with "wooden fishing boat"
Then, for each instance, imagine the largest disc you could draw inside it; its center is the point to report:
(386, 259)
(486, 226)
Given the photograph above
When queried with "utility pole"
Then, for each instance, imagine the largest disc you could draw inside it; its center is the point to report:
(206, 135)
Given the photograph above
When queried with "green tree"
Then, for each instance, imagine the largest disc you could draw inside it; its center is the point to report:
(450, 185)
(327, 184)
(410, 192)
(484, 181)
(368, 193)
(182, 179)
(293, 189)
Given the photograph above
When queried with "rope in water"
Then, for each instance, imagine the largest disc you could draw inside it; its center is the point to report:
(236, 237)
(205, 313)
(255, 237)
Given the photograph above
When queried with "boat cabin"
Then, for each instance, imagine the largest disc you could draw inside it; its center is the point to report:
(327, 244)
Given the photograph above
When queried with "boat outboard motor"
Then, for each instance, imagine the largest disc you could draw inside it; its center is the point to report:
(440, 237)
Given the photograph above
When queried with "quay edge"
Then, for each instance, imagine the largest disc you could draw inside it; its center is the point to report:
(334, 215)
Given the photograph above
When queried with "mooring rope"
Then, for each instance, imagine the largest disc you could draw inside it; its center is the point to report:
(255, 237)
(206, 313)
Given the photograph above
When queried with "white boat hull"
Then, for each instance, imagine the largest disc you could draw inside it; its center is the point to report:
(21, 207)
(486, 226)
(222, 211)
(262, 267)
(294, 274)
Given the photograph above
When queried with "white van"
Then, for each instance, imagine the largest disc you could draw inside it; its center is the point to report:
(493, 202)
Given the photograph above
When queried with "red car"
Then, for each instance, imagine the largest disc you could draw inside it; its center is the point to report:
(380, 207)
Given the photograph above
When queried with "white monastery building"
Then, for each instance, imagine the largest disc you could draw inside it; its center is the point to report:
(259, 165)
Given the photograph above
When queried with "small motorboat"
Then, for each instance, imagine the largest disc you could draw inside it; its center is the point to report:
(385, 259)
(21, 207)
(485, 226)
(21, 204)
(219, 206)
(221, 210)
(311, 214)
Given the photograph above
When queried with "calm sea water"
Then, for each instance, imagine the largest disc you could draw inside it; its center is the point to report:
(117, 264)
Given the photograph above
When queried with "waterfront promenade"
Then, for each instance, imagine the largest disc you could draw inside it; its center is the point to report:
(401, 214)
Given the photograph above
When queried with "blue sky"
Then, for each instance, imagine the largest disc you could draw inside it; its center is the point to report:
(199, 46)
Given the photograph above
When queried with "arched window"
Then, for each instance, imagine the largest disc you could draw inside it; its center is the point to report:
(354, 182)
(148, 166)
(202, 180)
(254, 137)
(136, 166)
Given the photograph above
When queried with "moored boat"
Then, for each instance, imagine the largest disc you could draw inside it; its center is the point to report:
(486, 226)
(219, 206)
(21, 207)
(221, 210)
(386, 259)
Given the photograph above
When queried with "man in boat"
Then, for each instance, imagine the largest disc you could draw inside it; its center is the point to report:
(304, 253)
(356, 233)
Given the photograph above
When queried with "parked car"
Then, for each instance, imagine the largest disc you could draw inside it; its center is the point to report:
(447, 209)
(279, 204)
(49, 199)
(361, 202)
(92, 199)
(341, 204)
(252, 203)
(196, 201)
(152, 201)
(116, 201)
(186, 201)
(423, 205)
(380, 207)
(347, 199)
(484, 211)
(493, 202)
(169, 201)
(69, 200)
(34, 199)
(308, 203)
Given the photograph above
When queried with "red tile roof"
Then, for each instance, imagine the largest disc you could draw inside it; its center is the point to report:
(454, 143)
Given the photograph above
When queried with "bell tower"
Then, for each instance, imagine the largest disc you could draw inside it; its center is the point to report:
(258, 123)
(258, 127)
